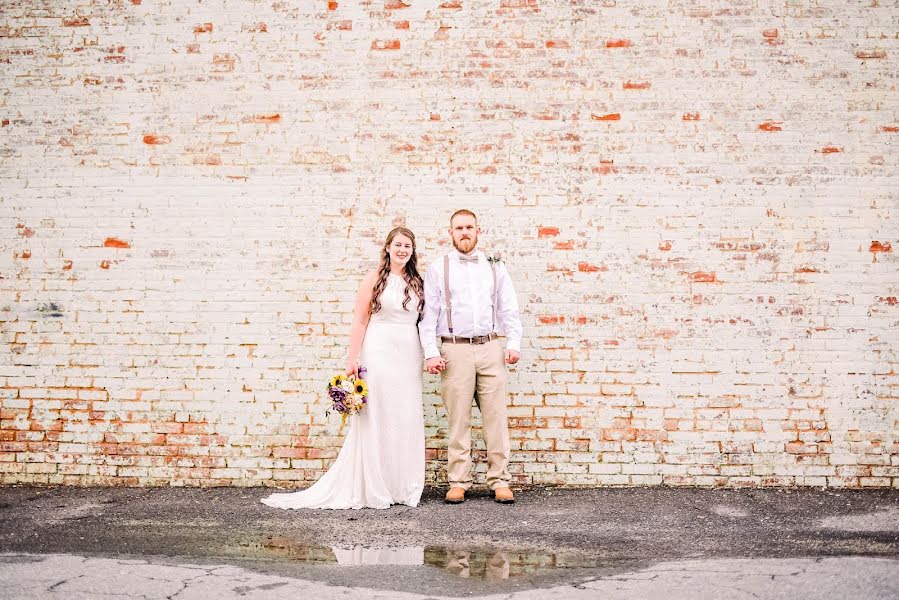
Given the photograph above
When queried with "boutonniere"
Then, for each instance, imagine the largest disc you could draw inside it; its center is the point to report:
(494, 259)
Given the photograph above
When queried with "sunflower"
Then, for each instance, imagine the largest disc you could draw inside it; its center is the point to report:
(336, 381)
(360, 388)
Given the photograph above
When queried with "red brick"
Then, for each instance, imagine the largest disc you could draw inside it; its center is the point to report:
(585, 267)
(880, 247)
(269, 118)
(551, 319)
(112, 242)
(299, 453)
(156, 140)
(76, 22)
(871, 54)
(700, 277)
(385, 45)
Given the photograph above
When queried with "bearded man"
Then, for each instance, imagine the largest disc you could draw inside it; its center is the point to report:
(469, 301)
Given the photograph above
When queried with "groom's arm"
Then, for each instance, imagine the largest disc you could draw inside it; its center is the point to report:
(507, 309)
(427, 328)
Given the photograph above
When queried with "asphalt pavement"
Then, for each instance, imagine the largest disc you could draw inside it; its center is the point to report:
(68, 542)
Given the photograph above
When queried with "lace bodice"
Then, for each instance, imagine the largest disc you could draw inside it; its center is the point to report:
(392, 311)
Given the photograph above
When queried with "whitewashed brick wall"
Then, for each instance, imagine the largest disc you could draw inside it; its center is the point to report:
(697, 200)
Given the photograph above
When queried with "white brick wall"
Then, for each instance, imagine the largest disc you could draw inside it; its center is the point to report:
(695, 200)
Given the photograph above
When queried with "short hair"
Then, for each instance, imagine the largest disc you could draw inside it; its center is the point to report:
(465, 212)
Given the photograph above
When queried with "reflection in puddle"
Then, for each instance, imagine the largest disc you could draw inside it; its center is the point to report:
(489, 564)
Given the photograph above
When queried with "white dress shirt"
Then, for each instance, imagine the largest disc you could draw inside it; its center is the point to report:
(471, 291)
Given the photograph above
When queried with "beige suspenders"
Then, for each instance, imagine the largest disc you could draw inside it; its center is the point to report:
(493, 270)
(446, 294)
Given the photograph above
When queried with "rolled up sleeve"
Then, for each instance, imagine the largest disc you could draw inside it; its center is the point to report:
(507, 309)
(427, 328)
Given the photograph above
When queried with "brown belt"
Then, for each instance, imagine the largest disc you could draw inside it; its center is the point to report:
(480, 339)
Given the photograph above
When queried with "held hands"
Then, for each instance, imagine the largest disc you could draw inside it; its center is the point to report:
(435, 364)
(512, 357)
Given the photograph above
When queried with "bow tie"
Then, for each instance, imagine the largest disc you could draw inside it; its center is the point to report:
(468, 258)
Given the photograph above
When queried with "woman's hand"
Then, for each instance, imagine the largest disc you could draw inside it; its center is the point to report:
(435, 364)
(352, 367)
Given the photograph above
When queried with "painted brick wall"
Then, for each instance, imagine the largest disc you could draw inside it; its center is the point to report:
(696, 199)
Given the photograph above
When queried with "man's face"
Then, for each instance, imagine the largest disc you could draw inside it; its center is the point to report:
(464, 231)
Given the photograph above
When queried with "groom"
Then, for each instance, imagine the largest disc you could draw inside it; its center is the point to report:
(468, 299)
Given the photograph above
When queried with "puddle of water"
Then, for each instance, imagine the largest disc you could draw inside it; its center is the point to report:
(883, 520)
(492, 564)
(489, 564)
(729, 511)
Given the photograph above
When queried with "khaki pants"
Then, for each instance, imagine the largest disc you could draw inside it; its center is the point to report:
(496, 567)
(477, 368)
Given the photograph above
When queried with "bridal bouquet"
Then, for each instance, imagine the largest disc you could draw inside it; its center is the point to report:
(348, 394)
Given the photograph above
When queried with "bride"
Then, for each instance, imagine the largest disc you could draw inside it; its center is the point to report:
(382, 460)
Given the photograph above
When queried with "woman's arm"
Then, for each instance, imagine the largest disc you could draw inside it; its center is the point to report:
(361, 314)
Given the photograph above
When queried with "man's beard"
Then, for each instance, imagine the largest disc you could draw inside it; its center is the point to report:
(466, 246)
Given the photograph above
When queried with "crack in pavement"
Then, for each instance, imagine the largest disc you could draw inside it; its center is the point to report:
(242, 590)
(53, 587)
(740, 578)
(185, 583)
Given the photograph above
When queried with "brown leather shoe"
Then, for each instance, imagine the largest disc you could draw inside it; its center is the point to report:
(455, 495)
(503, 495)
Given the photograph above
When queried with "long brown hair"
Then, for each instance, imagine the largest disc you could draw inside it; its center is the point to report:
(413, 280)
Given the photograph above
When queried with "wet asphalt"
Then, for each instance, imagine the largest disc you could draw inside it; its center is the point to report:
(549, 537)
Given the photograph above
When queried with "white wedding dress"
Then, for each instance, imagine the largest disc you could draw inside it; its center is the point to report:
(382, 461)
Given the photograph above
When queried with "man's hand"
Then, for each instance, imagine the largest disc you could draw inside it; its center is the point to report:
(512, 357)
(435, 364)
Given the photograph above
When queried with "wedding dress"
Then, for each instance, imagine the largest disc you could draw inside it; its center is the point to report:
(382, 461)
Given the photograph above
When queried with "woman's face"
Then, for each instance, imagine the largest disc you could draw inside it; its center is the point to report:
(400, 250)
